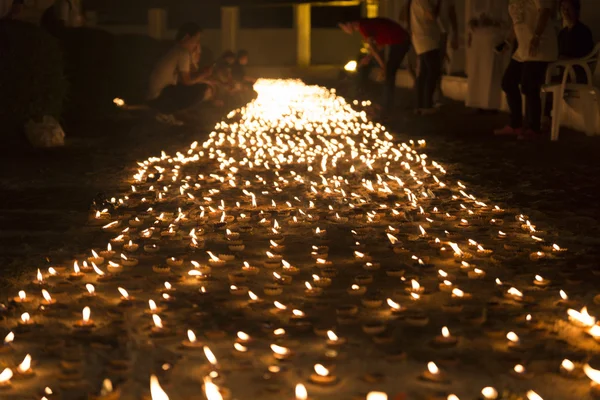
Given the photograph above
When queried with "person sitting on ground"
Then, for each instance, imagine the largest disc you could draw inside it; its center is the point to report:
(223, 73)
(238, 70)
(379, 33)
(575, 40)
(173, 86)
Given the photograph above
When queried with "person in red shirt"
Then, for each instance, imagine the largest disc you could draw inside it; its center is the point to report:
(380, 33)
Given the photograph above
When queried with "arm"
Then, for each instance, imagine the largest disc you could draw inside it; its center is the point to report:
(405, 14)
(542, 20)
(453, 24)
(373, 50)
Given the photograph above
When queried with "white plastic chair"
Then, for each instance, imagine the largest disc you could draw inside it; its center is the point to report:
(557, 90)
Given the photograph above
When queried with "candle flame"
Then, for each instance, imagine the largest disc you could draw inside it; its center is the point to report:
(433, 368)
(9, 338)
(46, 295)
(156, 391)
(377, 396)
(243, 336)
(301, 392)
(6, 375)
(124, 293)
(332, 336)
(191, 336)
(211, 390)
(25, 364)
(279, 350)
(513, 337)
(321, 370)
(582, 317)
(445, 332)
(210, 356)
(567, 365)
(25, 317)
(85, 314)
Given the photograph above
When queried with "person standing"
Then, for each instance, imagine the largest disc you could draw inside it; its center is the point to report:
(426, 38)
(485, 65)
(380, 33)
(537, 47)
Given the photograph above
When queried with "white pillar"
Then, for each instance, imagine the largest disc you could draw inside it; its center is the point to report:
(157, 23)
(303, 28)
(370, 8)
(230, 26)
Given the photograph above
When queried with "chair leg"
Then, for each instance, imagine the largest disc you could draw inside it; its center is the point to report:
(556, 109)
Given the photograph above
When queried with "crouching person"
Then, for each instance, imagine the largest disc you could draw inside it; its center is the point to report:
(175, 85)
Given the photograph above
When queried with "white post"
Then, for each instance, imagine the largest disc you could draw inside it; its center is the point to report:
(157, 23)
(370, 8)
(230, 25)
(302, 25)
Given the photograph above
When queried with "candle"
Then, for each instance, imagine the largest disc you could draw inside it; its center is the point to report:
(581, 318)
(445, 339)
(7, 344)
(520, 372)
(107, 392)
(22, 297)
(192, 341)
(39, 280)
(126, 299)
(24, 369)
(5, 377)
(356, 290)
(377, 396)
(26, 320)
(301, 392)
(85, 323)
(541, 282)
(513, 340)
(48, 300)
(489, 393)
(280, 352)
(322, 375)
(433, 373)
(312, 291)
(96, 259)
(334, 340)
(156, 391)
(594, 376)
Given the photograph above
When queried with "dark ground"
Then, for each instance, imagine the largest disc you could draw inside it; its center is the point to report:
(45, 195)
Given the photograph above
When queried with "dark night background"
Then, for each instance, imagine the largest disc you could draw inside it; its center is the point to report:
(253, 13)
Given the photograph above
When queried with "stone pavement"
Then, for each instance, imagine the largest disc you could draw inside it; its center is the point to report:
(392, 334)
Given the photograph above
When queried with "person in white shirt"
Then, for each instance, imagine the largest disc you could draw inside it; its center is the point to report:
(537, 47)
(173, 85)
(487, 28)
(426, 36)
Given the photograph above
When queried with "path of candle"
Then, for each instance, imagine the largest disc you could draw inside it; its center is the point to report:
(300, 174)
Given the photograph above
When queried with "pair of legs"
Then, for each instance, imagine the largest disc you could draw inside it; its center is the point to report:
(430, 70)
(176, 98)
(524, 78)
(396, 55)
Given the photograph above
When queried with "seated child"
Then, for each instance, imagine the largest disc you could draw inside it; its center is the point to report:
(239, 70)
